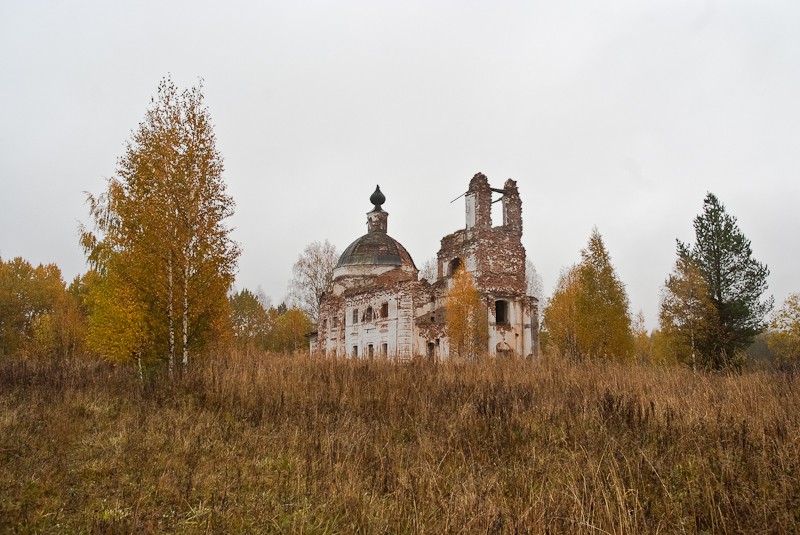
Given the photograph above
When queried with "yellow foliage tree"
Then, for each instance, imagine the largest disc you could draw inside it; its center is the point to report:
(687, 315)
(250, 320)
(290, 331)
(115, 308)
(159, 229)
(588, 314)
(561, 315)
(38, 316)
(784, 340)
(466, 317)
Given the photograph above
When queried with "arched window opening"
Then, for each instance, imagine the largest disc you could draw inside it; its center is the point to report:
(455, 264)
(503, 350)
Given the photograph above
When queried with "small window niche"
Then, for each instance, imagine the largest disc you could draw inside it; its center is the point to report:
(355, 316)
(501, 312)
(503, 350)
(385, 310)
(368, 315)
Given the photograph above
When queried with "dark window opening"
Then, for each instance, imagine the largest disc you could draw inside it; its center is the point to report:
(368, 314)
(501, 311)
(454, 265)
(385, 310)
(355, 316)
(431, 349)
(355, 351)
(370, 351)
(384, 349)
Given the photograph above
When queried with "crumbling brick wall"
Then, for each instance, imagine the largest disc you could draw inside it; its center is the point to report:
(496, 258)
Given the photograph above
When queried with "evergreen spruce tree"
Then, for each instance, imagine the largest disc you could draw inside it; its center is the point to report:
(733, 281)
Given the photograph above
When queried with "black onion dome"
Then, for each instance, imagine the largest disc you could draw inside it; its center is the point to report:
(377, 198)
(376, 248)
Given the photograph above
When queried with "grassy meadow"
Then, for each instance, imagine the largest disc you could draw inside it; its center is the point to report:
(263, 443)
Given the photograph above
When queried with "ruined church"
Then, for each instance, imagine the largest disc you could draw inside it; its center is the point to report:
(379, 307)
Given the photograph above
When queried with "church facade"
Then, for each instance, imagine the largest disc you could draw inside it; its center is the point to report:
(379, 307)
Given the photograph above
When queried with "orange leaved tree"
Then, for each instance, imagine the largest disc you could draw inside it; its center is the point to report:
(466, 317)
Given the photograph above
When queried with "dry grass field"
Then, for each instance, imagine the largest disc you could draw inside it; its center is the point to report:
(279, 444)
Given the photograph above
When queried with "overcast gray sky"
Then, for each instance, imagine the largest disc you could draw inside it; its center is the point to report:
(620, 115)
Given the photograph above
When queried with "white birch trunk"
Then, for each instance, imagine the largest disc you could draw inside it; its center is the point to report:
(186, 314)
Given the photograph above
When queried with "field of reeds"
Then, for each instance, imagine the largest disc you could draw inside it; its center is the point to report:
(265, 443)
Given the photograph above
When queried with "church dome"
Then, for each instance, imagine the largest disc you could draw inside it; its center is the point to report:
(375, 253)
(376, 248)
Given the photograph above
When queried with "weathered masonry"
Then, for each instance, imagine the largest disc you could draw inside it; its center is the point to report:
(378, 305)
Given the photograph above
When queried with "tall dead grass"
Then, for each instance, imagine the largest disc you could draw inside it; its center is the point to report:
(273, 443)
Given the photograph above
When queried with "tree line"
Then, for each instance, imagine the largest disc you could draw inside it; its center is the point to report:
(712, 304)
(162, 265)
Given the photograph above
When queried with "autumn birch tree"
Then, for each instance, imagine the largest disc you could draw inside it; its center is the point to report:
(687, 314)
(312, 277)
(159, 234)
